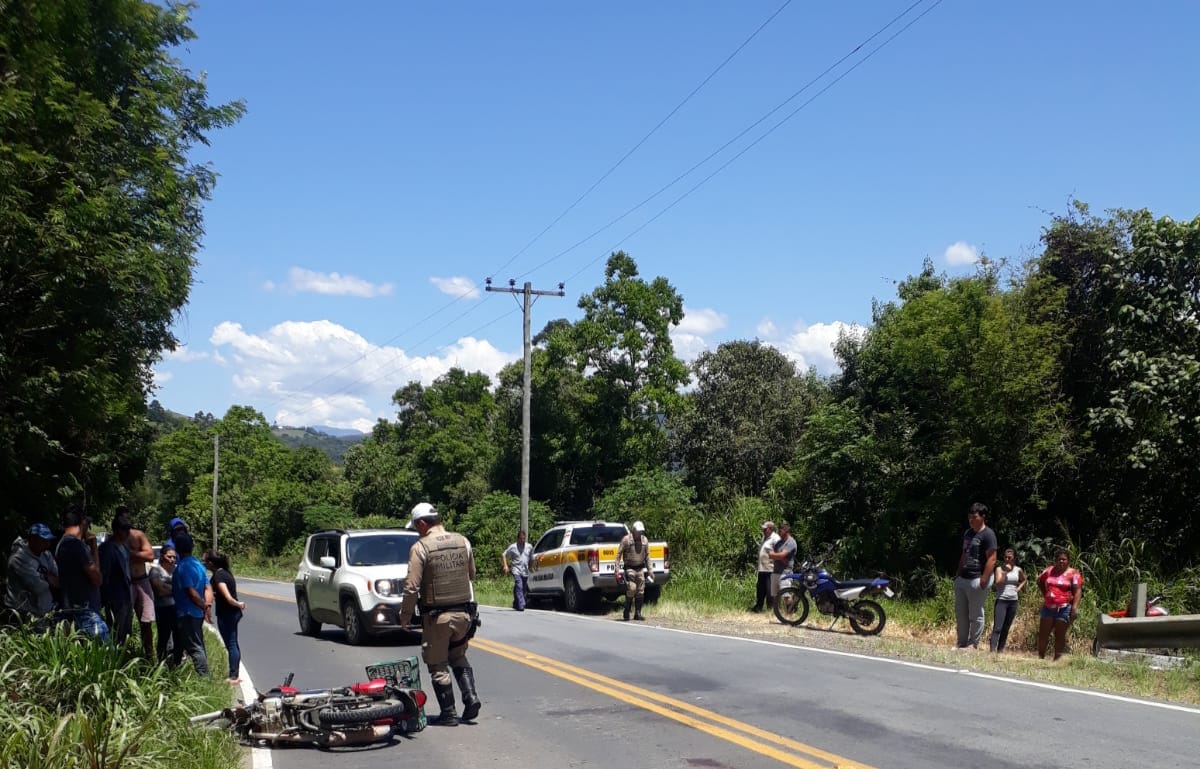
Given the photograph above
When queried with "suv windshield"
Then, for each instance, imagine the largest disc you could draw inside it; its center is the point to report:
(379, 549)
(597, 535)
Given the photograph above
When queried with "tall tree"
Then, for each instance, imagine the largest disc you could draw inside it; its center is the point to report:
(744, 418)
(623, 345)
(100, 218)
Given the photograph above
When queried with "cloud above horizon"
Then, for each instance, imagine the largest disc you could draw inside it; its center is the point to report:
(457, 287)
(318, 372)
(689, 338)
(812, 345)
(302, 281)
(961, 254)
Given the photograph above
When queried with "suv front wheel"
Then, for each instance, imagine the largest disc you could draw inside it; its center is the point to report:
(352, 621)
(308, 625)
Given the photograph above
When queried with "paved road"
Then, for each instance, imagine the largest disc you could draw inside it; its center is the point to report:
(572, 691)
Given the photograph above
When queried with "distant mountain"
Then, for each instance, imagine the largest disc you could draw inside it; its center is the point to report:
(338, 432)
(334, 446)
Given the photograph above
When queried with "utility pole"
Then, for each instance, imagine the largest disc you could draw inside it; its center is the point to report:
(528, 293)
(216, 470)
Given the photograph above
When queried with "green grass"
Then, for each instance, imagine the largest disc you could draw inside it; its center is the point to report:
(79, 704)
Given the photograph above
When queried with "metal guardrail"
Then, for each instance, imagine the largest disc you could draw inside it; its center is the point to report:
(1141, 632)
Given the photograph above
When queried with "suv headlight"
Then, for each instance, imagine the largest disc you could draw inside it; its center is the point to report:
(389, 587)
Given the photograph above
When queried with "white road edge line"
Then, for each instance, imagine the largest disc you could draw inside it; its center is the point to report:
(890, 661)
(940, 669)
(260, 758)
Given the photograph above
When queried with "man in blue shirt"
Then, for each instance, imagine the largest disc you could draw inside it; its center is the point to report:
(192, 604)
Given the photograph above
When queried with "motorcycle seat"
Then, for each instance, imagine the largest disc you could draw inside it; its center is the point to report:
(856, 583)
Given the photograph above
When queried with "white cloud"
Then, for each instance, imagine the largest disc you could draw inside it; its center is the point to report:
(458, 287)
(301, 280)
(701, 322)
(268, 285)
(812, 345)
(689, 338)
(766, 329)
(162, 377)
(317, 372)
(961, 254)
(183, 354)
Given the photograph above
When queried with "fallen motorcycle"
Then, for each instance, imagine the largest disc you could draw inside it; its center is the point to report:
(849, 599)
(360, 714)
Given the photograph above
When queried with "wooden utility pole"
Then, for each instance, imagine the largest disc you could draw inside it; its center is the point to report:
(529, 293)
(216, 470)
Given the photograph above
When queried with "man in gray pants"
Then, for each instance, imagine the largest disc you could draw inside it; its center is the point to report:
(975, 568)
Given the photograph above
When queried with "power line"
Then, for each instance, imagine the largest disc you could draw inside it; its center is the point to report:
(674, 181)
(644, 139)
(569, 208)
(764, 135)
(731, 141)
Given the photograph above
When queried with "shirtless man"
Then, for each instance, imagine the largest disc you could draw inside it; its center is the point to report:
(141, 554)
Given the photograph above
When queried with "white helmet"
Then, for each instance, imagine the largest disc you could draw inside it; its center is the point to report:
(423, 510)
(639, 527)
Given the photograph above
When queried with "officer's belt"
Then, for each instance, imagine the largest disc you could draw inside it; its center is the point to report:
(433, 611)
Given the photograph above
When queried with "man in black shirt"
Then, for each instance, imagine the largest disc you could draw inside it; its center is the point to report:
(976, 565)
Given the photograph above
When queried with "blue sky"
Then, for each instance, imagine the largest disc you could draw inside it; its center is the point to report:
(395, 154)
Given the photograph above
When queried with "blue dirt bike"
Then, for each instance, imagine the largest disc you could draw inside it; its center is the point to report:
(850, 599)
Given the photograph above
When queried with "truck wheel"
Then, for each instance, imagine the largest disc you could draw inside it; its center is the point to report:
(308, 625)
(572, 595)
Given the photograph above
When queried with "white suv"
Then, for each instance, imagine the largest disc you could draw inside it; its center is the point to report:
(353, 579)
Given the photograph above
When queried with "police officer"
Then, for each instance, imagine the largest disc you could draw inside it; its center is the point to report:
(633, 562)
(440, 569)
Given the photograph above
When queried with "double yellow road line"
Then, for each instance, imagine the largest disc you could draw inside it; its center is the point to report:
(782, 749)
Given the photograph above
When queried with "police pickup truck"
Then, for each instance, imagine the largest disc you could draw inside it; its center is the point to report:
(575, 561)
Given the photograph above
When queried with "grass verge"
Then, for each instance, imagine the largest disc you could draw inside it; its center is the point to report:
(73, 704)
(705, 600)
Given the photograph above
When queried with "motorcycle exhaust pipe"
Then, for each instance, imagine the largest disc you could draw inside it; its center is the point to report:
(330, 739)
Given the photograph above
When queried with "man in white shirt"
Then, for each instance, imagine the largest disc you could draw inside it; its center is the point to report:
(515, 561)
(762, 588)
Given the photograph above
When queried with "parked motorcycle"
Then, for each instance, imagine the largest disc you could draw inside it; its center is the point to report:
(360, 714)
(850, 599)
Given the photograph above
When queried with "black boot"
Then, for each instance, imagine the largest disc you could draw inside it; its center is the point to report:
(466, 687)
(637, 610)
(445, 698)
(625, 618)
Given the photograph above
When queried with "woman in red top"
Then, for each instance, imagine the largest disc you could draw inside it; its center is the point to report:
(1062, 587)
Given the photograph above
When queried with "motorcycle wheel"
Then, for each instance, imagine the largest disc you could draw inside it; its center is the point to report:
(791, 606)
(866, 617)
(353, 716)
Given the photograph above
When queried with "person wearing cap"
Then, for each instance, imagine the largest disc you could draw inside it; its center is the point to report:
(633, 563)
(29, 586)
(766, 566)
(176, 526)
(193, 604)
(440, 570)
(783, 558)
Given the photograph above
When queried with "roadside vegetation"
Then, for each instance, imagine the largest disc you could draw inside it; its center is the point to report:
(73, 704)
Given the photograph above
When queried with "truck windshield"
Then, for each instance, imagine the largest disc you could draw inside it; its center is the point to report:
(597, 535)
(381, 550)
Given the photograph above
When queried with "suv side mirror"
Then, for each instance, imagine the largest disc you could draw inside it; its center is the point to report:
(327, 562)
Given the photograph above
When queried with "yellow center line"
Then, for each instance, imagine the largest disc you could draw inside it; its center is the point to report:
(655, 702)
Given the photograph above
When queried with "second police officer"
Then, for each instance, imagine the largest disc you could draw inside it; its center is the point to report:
(633, 562)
